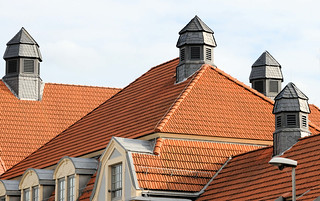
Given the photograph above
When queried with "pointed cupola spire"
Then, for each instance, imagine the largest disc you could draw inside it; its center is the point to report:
(23, 59)
(266, 75)
(291, 111)
(196, 43)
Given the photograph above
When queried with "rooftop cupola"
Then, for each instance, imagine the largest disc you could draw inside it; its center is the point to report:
(266, 76)
(22, 74)
(196, 43)
(291, 111)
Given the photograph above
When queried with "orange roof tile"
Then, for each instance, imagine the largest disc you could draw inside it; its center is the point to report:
(250, 177)
(27, 125)
(86, 192)
(314, 116)
(209, 103)
(183, 165)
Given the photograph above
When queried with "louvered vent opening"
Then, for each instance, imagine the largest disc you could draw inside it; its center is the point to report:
(28, 66)
(304, 121)
(195, 52)
(12, 66)
(278, 123)
(258, 85)
(182, 54)
(208, 54)
(291, 120)
(274, 86)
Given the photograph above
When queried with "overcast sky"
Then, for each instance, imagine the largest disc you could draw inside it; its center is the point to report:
(111, 43)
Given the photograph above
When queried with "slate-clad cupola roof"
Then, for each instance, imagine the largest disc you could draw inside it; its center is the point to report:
(266, 67)
(22, 45)
(266, 76)
(196, 32)
(291, 99)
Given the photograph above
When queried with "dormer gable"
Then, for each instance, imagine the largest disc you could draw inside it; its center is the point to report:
(9, 190)
(72, 175)
(115, 177)
(36, 184)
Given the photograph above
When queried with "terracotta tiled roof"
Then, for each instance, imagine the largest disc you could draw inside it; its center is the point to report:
(250, 177)
(26, 125)
(209, 103)
(183, 165)
(86, 193)
(314, 116)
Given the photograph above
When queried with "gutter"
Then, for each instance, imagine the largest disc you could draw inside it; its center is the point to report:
(184, 194)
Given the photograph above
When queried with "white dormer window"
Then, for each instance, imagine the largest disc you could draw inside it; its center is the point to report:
(9, 190)
(35, 193)
(116, 181)
(36, 184)
(71, 175)
(26, 194)
(71, 188)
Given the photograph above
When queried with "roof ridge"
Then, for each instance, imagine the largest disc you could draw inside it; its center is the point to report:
(80, 85)
(315, 106)
(255, 92)
(166, 117)
(248, 152)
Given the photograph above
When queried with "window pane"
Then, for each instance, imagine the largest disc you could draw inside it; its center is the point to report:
(35, 193)
(26, 195)
(71, 188)
(116, 181)
(61, 189)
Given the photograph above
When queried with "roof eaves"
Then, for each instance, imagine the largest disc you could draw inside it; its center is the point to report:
(161, 124)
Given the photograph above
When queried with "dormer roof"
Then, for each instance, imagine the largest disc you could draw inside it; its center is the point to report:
(22, 45)
(291, 99)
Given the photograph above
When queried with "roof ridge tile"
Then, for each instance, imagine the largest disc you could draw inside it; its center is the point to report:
(161, 124)
(255, 92)
(80, 85)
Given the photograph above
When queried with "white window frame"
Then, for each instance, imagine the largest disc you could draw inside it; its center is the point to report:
(71, 188)
(61, 189)
(116, 181)
(26, 194)
(35, 193)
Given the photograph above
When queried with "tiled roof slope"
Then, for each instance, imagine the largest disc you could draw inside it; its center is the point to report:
(250, 177)
(86, 192)
(183, 165)
(314, 116)
(209, 103)
(219, 105)
(27, 125)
